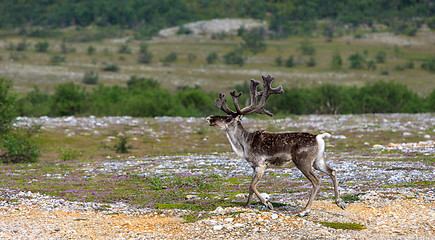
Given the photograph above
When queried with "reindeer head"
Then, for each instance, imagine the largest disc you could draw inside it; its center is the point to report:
(234, 117)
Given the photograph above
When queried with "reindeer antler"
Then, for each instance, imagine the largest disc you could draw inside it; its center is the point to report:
(221, 103)
(255, 107)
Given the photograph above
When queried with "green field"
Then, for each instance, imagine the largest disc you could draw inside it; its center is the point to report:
(29, 68)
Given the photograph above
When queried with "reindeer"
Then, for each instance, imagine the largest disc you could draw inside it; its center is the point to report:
(263, 149)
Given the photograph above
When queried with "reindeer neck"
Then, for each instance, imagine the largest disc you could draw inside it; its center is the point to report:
(238, 138)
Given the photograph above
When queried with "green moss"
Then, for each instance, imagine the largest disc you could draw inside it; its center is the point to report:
(345, 226)
(350, 198)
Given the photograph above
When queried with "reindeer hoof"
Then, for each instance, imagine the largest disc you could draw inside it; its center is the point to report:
(340, 203)
(269, 205)
(303, 213)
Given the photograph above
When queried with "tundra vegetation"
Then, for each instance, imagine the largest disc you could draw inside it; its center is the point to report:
(60, 59)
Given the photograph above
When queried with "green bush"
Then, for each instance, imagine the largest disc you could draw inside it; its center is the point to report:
(170, 58)
(371, 65)
(144, 55)
(121, 146)
(337, 61)
(212, 58)
(381, 57)
(278, 61)
(196, 101)
(191, 57)
(42, 46)
(235, 57)
(182, 30)
(57, 59)
(91, 50)
(68, 99)
(111, 68)
(16, 145)
(19, 148)
(90, 78)
(67, 154)
(307, 48)
(138, 84)
(357, 61)
(429, 64)
(254, 40)
(290, 62)
(34, 104)
(22, 46)
(311, 62)
(125, 49)
(7, 105)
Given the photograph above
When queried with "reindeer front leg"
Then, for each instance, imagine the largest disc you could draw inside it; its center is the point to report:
(258, 174)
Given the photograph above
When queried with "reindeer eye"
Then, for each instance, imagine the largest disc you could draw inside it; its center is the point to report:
(228, 120)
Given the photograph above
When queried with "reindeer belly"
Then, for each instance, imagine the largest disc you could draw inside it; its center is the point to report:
(280, 161)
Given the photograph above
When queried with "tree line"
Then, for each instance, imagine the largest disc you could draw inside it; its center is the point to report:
(149, 16)
(143, 97)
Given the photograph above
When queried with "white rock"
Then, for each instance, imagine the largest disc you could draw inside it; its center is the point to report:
(218, 210)
(229, 219)
(218, 227)
(192, 197)
(274, 216)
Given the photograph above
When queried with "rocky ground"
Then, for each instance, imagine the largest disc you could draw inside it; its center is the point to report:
(385, 164)
(383, 215)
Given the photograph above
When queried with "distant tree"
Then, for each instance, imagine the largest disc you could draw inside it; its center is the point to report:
(90, 78)
(336, 61)
(145, 56)
(7, 105)
(182, 30)
(307, 48)
(68, 99)
(371, 65)
(170, 58)
(124, 49)
(278, 61)
(357, 61)
(91, 50)
(191, 57)
(235, 57)
(212, 58)
(381, 57)
(41, 46)
(311, 62)
(110, 68)
(254, 40)
(139, 83)
(290, 62)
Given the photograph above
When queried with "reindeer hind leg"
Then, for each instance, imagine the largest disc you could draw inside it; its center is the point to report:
(319, 164)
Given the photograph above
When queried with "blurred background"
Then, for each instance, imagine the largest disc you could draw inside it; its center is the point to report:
(149, 58)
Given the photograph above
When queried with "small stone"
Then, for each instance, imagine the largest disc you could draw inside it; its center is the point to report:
(218, 227)
(229, 219)
(274, 216)
(192, 197)
(378, 146)
(57, 229)
(238, 225)
(218, 210)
